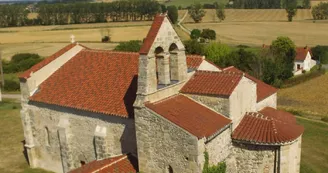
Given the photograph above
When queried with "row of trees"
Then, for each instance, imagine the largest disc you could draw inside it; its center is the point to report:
(267, 4)
(13, 15)
(125, 10)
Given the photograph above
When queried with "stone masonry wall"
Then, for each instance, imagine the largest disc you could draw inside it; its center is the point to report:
(162, 144)
(270, 101)
(290, 157)
(220, 105)
(79, 135)
(252, 158)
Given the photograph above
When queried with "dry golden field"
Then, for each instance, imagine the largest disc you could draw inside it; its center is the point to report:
(309, 97)
(258, 33)
(251, 15)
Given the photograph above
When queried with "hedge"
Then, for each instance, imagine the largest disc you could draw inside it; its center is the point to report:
(302, 78)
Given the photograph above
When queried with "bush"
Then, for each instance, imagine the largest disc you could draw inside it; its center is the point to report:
(194, 47)
(217, 53)
(208, 34)
(320, 12)
(173, 13)
(320, 53)
(302, 78)
(11, 82)
(219, 168)
(195, 34)
(325, 119)
(130, 46)
(105, 39)
(21, 62)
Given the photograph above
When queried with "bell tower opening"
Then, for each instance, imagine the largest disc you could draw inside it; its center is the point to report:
(162, 67)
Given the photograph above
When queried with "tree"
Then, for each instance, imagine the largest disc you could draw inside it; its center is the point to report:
(173, 13)
(130, 46)
(306, 4)
(320, 12)
(196, 12)
(320, 53)
(217, 53)
(220, 13)
(195, 34)
(291, 12)
(208, 34)
(194, 47)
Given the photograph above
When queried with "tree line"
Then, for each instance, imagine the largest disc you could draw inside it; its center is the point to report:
(80, 12)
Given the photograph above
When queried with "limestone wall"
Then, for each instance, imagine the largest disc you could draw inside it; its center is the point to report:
(242, 100)
(162, 144)
(220, 147)
(74, 132)
(270, 101)
(252, 158)
(290, 157)
(220, 105)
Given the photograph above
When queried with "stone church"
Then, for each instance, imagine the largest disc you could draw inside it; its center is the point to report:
(156, 111)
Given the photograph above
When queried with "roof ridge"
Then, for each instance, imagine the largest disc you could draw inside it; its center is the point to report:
(109, 51)
(110, 164)
(221, 72)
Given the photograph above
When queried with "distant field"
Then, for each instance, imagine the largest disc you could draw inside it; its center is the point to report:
(310, 97)
(251, 15)
(258, 33)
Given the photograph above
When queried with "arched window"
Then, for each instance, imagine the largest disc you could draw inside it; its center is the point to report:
(174, 66)
(162, 67)
(46, 136)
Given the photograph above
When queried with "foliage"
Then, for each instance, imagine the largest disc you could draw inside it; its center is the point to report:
(11, 82)
(256, 4)
(325, 119)
(208, 34)
(105, 39)
(320, 12)
(194, 47)
(303, 78)
(219, 168)
(195, 34)
(306, 4)
(217, 53)
(291, 12)
(21, 62)
(220, 13)
(130, 46)
(13, 15)
(173, 13)
(320, 53)
(244, 60)
(196, 12)
(163, 8)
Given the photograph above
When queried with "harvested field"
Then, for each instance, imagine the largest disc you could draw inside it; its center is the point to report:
(258, 33)
(251, 15)
(310, 97)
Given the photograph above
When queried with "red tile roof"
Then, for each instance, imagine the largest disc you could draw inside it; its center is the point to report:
(301, 53)
(98, 81)
(263, 90)
(119, 164)
(189, 115)
(46, 61)
(151, 36)
(268, 126)
(212, 83)
(194, 61)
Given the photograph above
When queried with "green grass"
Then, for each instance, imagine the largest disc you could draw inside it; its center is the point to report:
(314, 146)
(12, 159)
(186, 3)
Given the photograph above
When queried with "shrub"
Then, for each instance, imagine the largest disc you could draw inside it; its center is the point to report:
(325, 119)
(320, 12)
(208, 34)
(217, 53)
(219, 168)
(195, 34)
(302, 78)
(130, 46)
(21, 62)
(194, 47)
(173, 13)
(105, 39)
(11, 82)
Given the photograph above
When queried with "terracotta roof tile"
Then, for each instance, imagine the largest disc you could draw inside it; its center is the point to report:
(212, 83)
(268, 126)
(189, 115)
(301, 53)
(194, 61)
(98, 81)
(119, 164)
(46, 61)
(151, 36)
(263, 90)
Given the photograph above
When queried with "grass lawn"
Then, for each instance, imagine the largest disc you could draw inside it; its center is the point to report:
(310, 98)
(314, 146)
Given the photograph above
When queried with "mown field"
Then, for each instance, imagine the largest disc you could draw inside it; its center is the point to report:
(310, 98)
